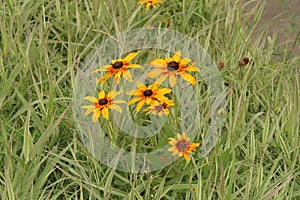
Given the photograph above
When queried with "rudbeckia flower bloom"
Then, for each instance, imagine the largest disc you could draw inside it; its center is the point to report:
(149, 95)
(160, 108)
(149, 3)
(172, 68)
(182, 147)
(102, 104)
(119, 68)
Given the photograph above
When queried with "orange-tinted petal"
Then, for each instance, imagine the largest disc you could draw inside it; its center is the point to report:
(186, 157)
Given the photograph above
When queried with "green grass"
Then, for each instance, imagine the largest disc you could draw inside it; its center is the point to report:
(43, 44)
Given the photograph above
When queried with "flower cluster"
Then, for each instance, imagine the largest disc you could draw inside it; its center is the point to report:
(153, 95)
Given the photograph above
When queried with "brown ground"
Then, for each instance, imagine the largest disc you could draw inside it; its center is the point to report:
(283, 17)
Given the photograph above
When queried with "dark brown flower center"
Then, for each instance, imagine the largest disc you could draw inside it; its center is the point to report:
(173, 65)
(182, 145)
(117, 65)
(147, 93)
(103, 101)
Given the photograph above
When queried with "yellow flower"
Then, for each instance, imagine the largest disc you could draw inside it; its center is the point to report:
(160, 108)
(102, 104)
(149, 3)
(149, 95)
(181, 146)
(172, 68)
(119, 68)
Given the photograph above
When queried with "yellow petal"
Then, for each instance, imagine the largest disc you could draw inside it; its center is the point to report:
(136, 92)
(176, 56)
(153, 87)
(185, 61)
(161, 63)
(189, 78)
(141, 86)
(103, 79)
(154, 73)
(118, 101)
(191, 69)
(92, 99)
(132, 101)
(88, 107)
(117, 76)
(172, 80)
(178, 136)
(140, 105)
(163, 91)
(96, 115)
(105, 113)
(101, 94)
(148, 6)
(130, 56)
(128, 76)
(134, 66)
(88, 111)
(101, 69)
(112, 94)
(161, 98)
(173, 141)
(148, 100)
(171, 149)
(116, 107)
(162, 79)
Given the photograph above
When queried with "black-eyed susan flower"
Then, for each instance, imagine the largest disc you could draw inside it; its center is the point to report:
(172, 68)
(149, 95)
(160, 108)
(119, 68)
(102, 104)
(149, 3)
(181, 146)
